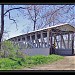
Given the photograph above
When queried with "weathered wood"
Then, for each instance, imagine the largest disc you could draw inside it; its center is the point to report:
(63, 41)
(56, 41)
(51, 42)
(36, 39)
(16, 39)
(72, 43)
(68, 39)
(48, 38)
(44, 42)
(26, 38)
(41, 39)
(30, 37)
(21, 38)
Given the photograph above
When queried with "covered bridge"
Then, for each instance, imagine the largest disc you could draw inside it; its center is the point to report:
(41, 41)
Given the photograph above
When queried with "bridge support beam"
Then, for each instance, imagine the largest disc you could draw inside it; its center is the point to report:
(25, 38)
(72, 43)
(47, 38)
(61, 41)
(36, 45)
(68, 39)
(30, 38)
(41, 39)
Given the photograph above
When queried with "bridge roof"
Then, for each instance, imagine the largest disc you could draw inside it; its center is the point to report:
(62, 27)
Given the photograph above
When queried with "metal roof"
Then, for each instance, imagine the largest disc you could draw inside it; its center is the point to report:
(62, 27)
(65, 25)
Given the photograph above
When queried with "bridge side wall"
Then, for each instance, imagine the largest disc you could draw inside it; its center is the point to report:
(36, 51)
(46, 51)
(63, 51)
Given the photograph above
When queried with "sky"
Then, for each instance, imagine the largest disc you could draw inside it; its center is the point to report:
(10, 27)
(23, 23)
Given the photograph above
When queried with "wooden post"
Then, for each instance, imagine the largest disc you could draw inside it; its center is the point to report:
(41, 39)
(13, 40)
(54, 40)
(61, 41)
(21, 39)
(30, 38)
(47, 38)
(72, 43)
(35, 39)
(26, 40)
(68, 39)
(44, 43)
(57, 42)
(51, 42)
(16, 39)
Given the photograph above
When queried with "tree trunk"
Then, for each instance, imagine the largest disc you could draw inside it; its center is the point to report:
(35, 17)
(2, 24)
(0, 43)
(34, 25)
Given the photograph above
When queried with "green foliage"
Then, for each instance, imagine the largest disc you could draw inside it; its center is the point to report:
(9, 45)
(28, 61)
(53, 57)
(8, 49)
(41, 59)
(6, 63)
(20, 54)
(10, 63)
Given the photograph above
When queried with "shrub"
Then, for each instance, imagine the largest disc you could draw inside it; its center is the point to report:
(9, 49)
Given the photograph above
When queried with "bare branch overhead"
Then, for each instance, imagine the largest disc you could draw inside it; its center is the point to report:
(13, 20)
(14, 9)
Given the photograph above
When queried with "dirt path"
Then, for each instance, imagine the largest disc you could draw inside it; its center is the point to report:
(68, 63)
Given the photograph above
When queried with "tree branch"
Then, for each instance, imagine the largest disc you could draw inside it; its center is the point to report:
(13, 20)
(30, 15)
(14, 9)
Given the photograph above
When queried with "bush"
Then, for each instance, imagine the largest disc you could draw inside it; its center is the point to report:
(8, 49)
(11, 50)
(10, 63)
(7, 63)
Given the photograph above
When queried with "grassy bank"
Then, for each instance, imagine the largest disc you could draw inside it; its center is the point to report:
(28, 61)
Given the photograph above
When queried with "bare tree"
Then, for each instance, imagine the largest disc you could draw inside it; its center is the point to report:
(2, 19)
(47, 15)
(59, 14)
(42, 15)
(2, 24)
(34, 14)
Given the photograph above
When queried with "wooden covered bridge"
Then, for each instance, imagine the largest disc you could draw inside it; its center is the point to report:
(42, 41)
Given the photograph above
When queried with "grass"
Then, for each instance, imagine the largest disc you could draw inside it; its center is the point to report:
(6, 63)
(28, 61)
